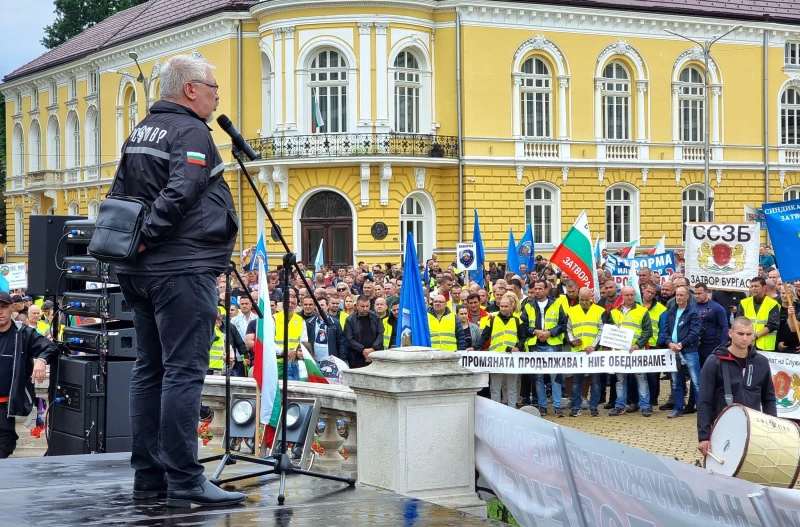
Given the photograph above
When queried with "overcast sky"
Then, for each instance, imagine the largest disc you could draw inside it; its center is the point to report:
(21, 28)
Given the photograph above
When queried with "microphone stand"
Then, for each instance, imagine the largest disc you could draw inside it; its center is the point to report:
(282, 463)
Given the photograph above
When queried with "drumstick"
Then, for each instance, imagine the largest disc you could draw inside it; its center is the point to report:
(715, 458)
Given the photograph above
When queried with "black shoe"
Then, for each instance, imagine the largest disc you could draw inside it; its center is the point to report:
(542, 411)
(632, 408)
(594, 412)
(526, 401)
(559, 412)
(206, 495)
(150, 492)
(609, 405)
(575, 412)
(674, 414)
(647, 412)
(690, 409)
(619, 410)
(667, 406)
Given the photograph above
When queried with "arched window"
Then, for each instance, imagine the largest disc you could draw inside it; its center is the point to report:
(328, 92)
(35, 210)
(407, 86)
(542, 211)
(416, 216)
(19, 230)
(35, 147)
(693, 204)
(53, 143)
(133, 112)
(73, 141)
(536, 95)
(790, 114)
(18, 151)
(691, 104)
(92, 137)
(616, 101)
(266, 96)
(622, 214)
(792, 193)
(72, 208)
(94, 207)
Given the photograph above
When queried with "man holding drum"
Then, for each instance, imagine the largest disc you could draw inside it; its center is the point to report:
(749, 379)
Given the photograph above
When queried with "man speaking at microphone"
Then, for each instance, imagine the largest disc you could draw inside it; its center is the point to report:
(188, 235)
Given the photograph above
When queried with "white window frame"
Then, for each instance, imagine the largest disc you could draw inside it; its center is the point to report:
(53, 143)
(617, 88)
(315, 86)
(73, 88)
(427, 220)
(54, 93)
(633, 203)
(19, 230)
(691, 100)
(92, 82)
(407, 91)
(18, 150)
(553, 202)
(73, 209)
(791, 54)
(532, 86)
(787, 111)
(133, 111)
(34, 99)
(92, 155)
(691, 209)
(35, 147)
(18, 103)
(791, 193)
(73, 150)
(94, 208)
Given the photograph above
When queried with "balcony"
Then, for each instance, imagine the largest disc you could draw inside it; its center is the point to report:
(354, 145)
(17, 182)
(92, 174)
(42, 180)
(72, 175)
(623, 151)
(791, 157)
(542, 150)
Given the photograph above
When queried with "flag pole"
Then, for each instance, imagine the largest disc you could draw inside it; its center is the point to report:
(257, 431)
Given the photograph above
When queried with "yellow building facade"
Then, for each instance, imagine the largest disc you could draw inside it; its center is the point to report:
(560, 109)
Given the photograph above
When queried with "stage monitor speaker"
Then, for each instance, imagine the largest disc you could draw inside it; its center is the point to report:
(88, 420)
(44, 250)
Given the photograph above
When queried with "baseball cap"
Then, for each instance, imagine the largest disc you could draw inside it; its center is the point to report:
(27, 298)
(14, 299)
(5, 298)
(538, 257)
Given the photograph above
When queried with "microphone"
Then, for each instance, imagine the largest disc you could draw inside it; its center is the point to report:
(238, 141)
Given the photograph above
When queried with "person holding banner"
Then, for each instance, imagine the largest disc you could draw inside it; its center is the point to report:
(680, 332)
(749, 380)
(584, 325)
(504, 334)
(763, 312)
(631, 315)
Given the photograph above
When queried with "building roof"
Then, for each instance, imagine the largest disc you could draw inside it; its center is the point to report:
(136, 22)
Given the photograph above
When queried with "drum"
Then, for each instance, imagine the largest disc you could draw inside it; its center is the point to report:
(754, 446)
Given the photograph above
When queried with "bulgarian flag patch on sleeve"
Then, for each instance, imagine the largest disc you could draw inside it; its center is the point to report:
(196, 158)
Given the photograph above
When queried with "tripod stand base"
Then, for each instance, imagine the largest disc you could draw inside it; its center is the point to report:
(283, 466)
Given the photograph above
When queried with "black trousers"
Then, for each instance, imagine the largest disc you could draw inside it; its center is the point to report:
(174, 317)
(8, 434)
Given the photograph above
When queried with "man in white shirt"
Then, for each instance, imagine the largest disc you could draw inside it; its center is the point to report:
(246, 314)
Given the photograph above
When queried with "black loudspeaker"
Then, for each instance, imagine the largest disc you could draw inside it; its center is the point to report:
(44, 250)
(85, 419)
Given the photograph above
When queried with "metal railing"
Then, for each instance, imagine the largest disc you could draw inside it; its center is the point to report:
(351, 145)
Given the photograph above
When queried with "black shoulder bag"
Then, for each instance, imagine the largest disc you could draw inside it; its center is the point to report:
(118, 227)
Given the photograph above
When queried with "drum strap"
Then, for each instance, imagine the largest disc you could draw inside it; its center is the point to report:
(726, 377)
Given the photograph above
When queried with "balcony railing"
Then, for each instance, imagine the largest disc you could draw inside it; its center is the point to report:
(17, 182)
(624, 152)
(73, 175)
(349, 145)
(792, 157)
(43, 179)
(542, 150)
(91, 174)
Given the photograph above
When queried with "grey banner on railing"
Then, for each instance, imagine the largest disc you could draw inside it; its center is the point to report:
(517, 456)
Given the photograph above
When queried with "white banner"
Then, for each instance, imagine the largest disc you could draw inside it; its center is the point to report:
(466, 257)
(522, 460)
(616, 338)
(725, 256)
(16, 274)
(786, 378)
(643, 361)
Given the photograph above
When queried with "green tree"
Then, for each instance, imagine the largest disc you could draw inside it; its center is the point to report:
(75, 16)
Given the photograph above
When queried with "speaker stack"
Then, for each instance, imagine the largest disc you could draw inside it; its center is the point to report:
(90, 412)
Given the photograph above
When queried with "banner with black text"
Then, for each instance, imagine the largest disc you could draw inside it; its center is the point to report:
(722, 255)
(642, 361)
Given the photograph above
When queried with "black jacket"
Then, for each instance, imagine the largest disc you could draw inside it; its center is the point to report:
(352, 336)
(28, 345)
(755, 390)
(169, 161)
(336, 341)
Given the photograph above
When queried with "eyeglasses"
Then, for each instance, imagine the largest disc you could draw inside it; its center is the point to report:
(215, 86)
(341, 289)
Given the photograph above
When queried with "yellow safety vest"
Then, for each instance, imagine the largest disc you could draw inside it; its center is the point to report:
(760, 319)
(631, 320)
(585, 325)
(504, 335)
(342, 318)
(216, 358)
(551, 315)
(387, 333)
(295, 333)
(655, 312)
(42, 327)
(443, 332)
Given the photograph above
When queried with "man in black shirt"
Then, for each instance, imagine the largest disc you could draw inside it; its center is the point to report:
(24, 355)
(363, 334)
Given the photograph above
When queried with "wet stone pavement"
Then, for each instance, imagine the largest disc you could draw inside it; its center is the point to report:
(95, 490)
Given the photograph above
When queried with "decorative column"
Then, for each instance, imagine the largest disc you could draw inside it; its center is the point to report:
(715, 93)
(515, 104)
(676, 122)
(279, 103)
(280, 175)
(416, 421)
(381, 77)
(563, 83)
(288, 37)
(365, 75)
(641, 132)
(598, 109)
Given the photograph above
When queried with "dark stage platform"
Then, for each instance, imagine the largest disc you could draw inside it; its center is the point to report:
(72, 491)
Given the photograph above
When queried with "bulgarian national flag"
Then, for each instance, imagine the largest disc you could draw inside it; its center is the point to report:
(660, 246)
(265, 365)
(309, 371)
(575, 255)
(629, 251)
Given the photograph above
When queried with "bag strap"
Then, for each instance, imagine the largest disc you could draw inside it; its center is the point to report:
(726, 377)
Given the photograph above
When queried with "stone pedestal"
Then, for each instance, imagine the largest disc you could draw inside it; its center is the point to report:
(416, 432)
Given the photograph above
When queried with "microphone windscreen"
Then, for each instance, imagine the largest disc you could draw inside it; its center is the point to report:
(224, 121)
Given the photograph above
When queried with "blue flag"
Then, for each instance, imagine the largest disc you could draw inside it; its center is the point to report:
(525, 251)
(412, 326)
(480, 256)
(783, 225)
(4, 284)
(512, 261)
(319, 260)
(260, 254)
(425, 278)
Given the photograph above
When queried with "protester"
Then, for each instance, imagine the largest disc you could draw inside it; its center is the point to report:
(503, 334)
(680, 332)
(472, 332)
(584, 326)
(631, 315)
(363, 332)
(763, 312)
